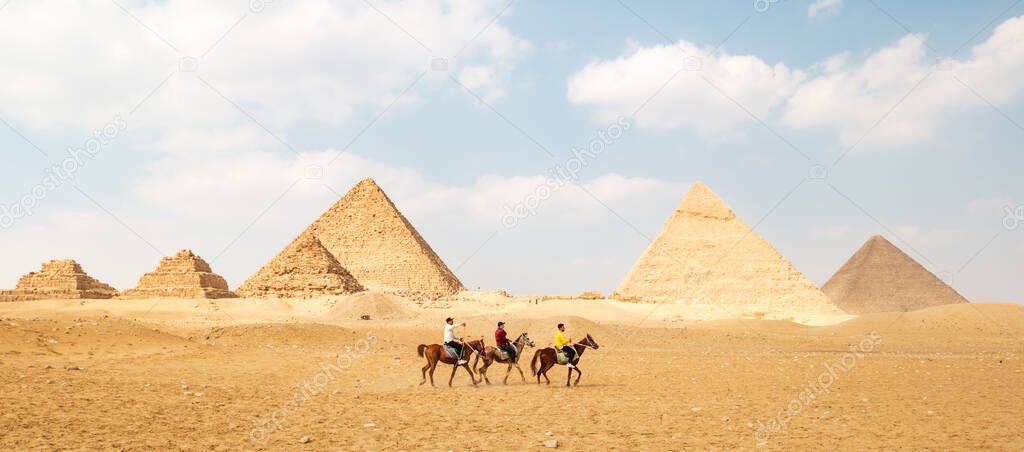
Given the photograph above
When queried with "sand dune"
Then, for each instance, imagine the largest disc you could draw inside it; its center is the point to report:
(95, 375)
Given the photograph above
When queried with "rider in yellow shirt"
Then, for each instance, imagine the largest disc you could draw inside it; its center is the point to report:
(565, 344)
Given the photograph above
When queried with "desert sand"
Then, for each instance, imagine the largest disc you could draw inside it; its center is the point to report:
(308, 374)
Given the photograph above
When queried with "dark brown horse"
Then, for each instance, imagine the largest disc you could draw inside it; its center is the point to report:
(492, 355)
(548, 358)
(436, 353)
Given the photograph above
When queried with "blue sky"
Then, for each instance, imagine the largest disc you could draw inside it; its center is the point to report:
(912, 109)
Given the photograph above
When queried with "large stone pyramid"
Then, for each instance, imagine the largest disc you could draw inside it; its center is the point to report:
(373, 240)
(304, 269)
(880, 277)
(183, 275)
(58, 279)
(706, 255)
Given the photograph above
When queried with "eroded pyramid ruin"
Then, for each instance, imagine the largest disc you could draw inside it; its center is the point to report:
(58, 279)
(706, 255)
(376, 243)
(304, 269)
(184, 275)
(880, 277)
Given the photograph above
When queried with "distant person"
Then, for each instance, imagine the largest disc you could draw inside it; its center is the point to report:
(565, 344)
(501, 338)
(451, 340)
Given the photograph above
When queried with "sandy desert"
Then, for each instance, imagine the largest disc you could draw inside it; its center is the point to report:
(242, 374)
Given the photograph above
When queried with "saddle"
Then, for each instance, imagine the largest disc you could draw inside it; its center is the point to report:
(504, 354)
(562, 359)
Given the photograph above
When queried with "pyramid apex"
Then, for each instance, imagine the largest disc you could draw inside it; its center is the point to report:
(879, 240)
(368, 182)
(701, 201)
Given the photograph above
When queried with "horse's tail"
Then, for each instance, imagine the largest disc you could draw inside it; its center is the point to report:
(421, 349)
(533, 364)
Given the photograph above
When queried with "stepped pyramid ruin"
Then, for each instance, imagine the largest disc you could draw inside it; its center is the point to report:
(706, 255)
(183, 275)
(58, 279)
(373, 240)
(880, 277)
(304, 269)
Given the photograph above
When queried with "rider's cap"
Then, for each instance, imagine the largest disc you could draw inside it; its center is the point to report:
(501, 323)
(449, 319)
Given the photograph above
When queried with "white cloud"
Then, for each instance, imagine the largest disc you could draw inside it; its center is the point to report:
(615, 88)
(79, 64)
(840, 92)
(824, 9)
(991, 208)
(482, 78)
(852, 97)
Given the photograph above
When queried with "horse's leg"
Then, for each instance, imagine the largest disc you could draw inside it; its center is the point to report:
(546, 367)
(433, 367)
(454, 368)
(425, 372)
(579, 373)
(507, 372)
(521, 374)
(568, 377)
(471, 376)
(482, 370)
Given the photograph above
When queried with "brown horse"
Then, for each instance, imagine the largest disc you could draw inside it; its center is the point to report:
(436, 353)
(492, 354)
(548, 358)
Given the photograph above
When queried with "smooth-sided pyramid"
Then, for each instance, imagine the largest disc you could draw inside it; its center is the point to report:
(58, 279)
(304, 269)
(706, 255)
(183, 275)
(880, 277)
(373, 240)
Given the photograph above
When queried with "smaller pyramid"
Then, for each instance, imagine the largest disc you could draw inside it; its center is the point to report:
(303, 269)
(880, 277)
(184, 275)
(58, 279)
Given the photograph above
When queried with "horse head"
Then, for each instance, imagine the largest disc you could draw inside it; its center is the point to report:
(589, 341)
(477, 345)
(527, 338)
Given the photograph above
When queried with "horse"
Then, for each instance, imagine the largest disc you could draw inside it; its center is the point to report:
(436, 352)
(493, 354)
(548, 358)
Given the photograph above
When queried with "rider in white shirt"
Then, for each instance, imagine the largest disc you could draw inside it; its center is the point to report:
(451, 340)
